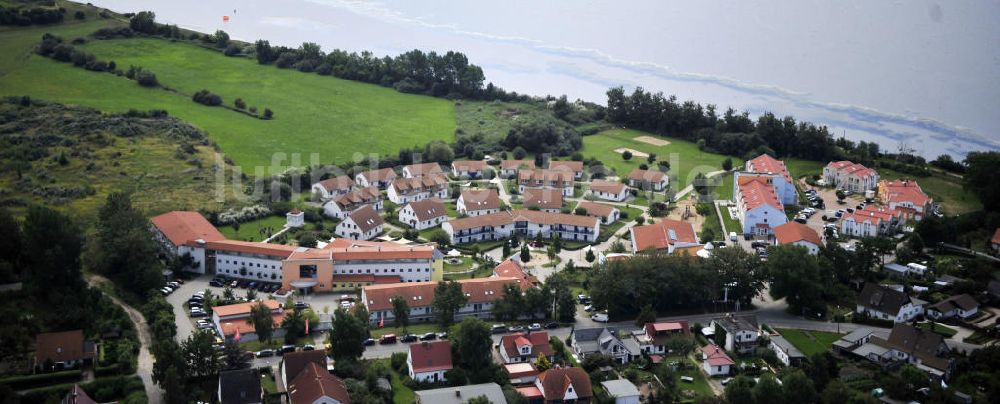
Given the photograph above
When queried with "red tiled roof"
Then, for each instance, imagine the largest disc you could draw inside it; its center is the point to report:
(539, 342)
(543, 198)
(427, 209)
(421, 294)
(384, 174)
(566, 165)
(791, 232)
(418, 170)
(996, 237)
(716, 356)
(596, 209)
(480, 199)
(767, 164)
(314, 383)
(61, 346)
(229, 327)
(346, 249)
(469, 165)
(903, 191)
(342, 182)
(556, 381)
(303, 253)
(366, 218)
(757, 191)
(662, 234)
(242, 308)
(515, 164)
(529, 392)
(850, 168)
(430, 356)
(517, 370)
(184, 227)
(646, 175)
(610, 187)
(504, 218)
(512, 269)
(252, 247)
(298, 362)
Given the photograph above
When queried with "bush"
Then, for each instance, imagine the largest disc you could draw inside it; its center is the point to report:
(268, 114)
(79, 15)
(206, 97)
(398, 361)
(231, 50)
(146, 78)
(240, 104)
(41, 379)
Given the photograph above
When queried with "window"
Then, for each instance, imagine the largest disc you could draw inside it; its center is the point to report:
(307, 271)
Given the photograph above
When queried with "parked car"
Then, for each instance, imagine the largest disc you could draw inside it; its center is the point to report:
(369, 341)
(588, 308)
(308, 347)
(215, 283)
(301, 305)
(758, 243)
(534, 327)
(387, 339)
(265, 353)
(409, 338)
(286, 349)
(800, 219)
(498, 328)
(583, 299)
(553, 325)
(442, 335)
(732, 236)
(600, 317)
(428, 337)
(726, 381)
(516, 328)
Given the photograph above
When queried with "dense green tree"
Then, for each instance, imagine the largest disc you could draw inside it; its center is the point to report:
(738, 270)
(54, 262)
(980, 178)
(200, 354)
(448, 298)
(525, 254)
(122, 247)
(221, 38)
(767, 390)
(740, 391)
(836, 392)
(234, 357)
(347, 336)
(795, 276)
(537, 301)
(143, 21)
(646, 316)
(727, 164)
(294, 324)
(511, 304)
(262, 321)
(626, 155)
(798, 388)
(471, 344)
(401, 312)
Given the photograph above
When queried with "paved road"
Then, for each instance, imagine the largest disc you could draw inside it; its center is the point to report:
(145, 361)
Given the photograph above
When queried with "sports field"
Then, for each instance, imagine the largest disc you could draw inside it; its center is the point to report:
(685, 159)
(331, 117)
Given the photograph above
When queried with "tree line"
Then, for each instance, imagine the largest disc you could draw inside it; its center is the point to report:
(24, 16)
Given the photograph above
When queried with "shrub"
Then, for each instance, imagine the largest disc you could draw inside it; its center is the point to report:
(146, 78)
(398, 361)
(231, 50)
(80, 15)
(268, 114)
(240, 104)
(41, 379)
(206, 97)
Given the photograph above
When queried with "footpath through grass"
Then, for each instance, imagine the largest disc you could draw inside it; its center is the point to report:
(331, 117)
(685, 159)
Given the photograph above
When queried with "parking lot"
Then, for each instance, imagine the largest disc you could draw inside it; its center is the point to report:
(829, 197)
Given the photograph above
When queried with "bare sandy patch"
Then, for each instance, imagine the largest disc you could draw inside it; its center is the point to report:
(651, 140)
(635, 153)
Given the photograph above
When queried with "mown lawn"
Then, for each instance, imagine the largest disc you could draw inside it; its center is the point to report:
(330, 117)
(400, 393)
(809, 342)
(685, 159)
(801, 168)
(255, 230)
(939, 328)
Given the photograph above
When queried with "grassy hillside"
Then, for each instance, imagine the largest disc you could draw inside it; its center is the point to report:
(71, 158)
(313, 114)
(685, 159)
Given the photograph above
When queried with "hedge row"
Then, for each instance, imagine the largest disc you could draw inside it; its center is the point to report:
(41, 379)
(101, 389)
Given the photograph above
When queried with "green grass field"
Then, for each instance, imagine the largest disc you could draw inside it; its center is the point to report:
(685, 159)
(809, 342)
(331, 117)
(939, 328)
(253, 230)
(800, 168)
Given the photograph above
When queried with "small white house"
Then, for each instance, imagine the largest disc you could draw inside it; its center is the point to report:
(423, 214)
(885, 303)
(609, 190)
(362, 224)
(715, 361)
(474, 202)
(963, 306)
(787, 353)
(295, 218)
(428, 361)
(622, 390)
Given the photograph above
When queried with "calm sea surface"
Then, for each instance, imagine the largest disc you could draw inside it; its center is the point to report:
(920, 74)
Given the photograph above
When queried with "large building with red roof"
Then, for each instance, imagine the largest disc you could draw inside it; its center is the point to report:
(341, 264)
(524, 223)
(783, 182)
(905, 196)
(872, 221)
(758, 204)
(666, 235)
(850, 176)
